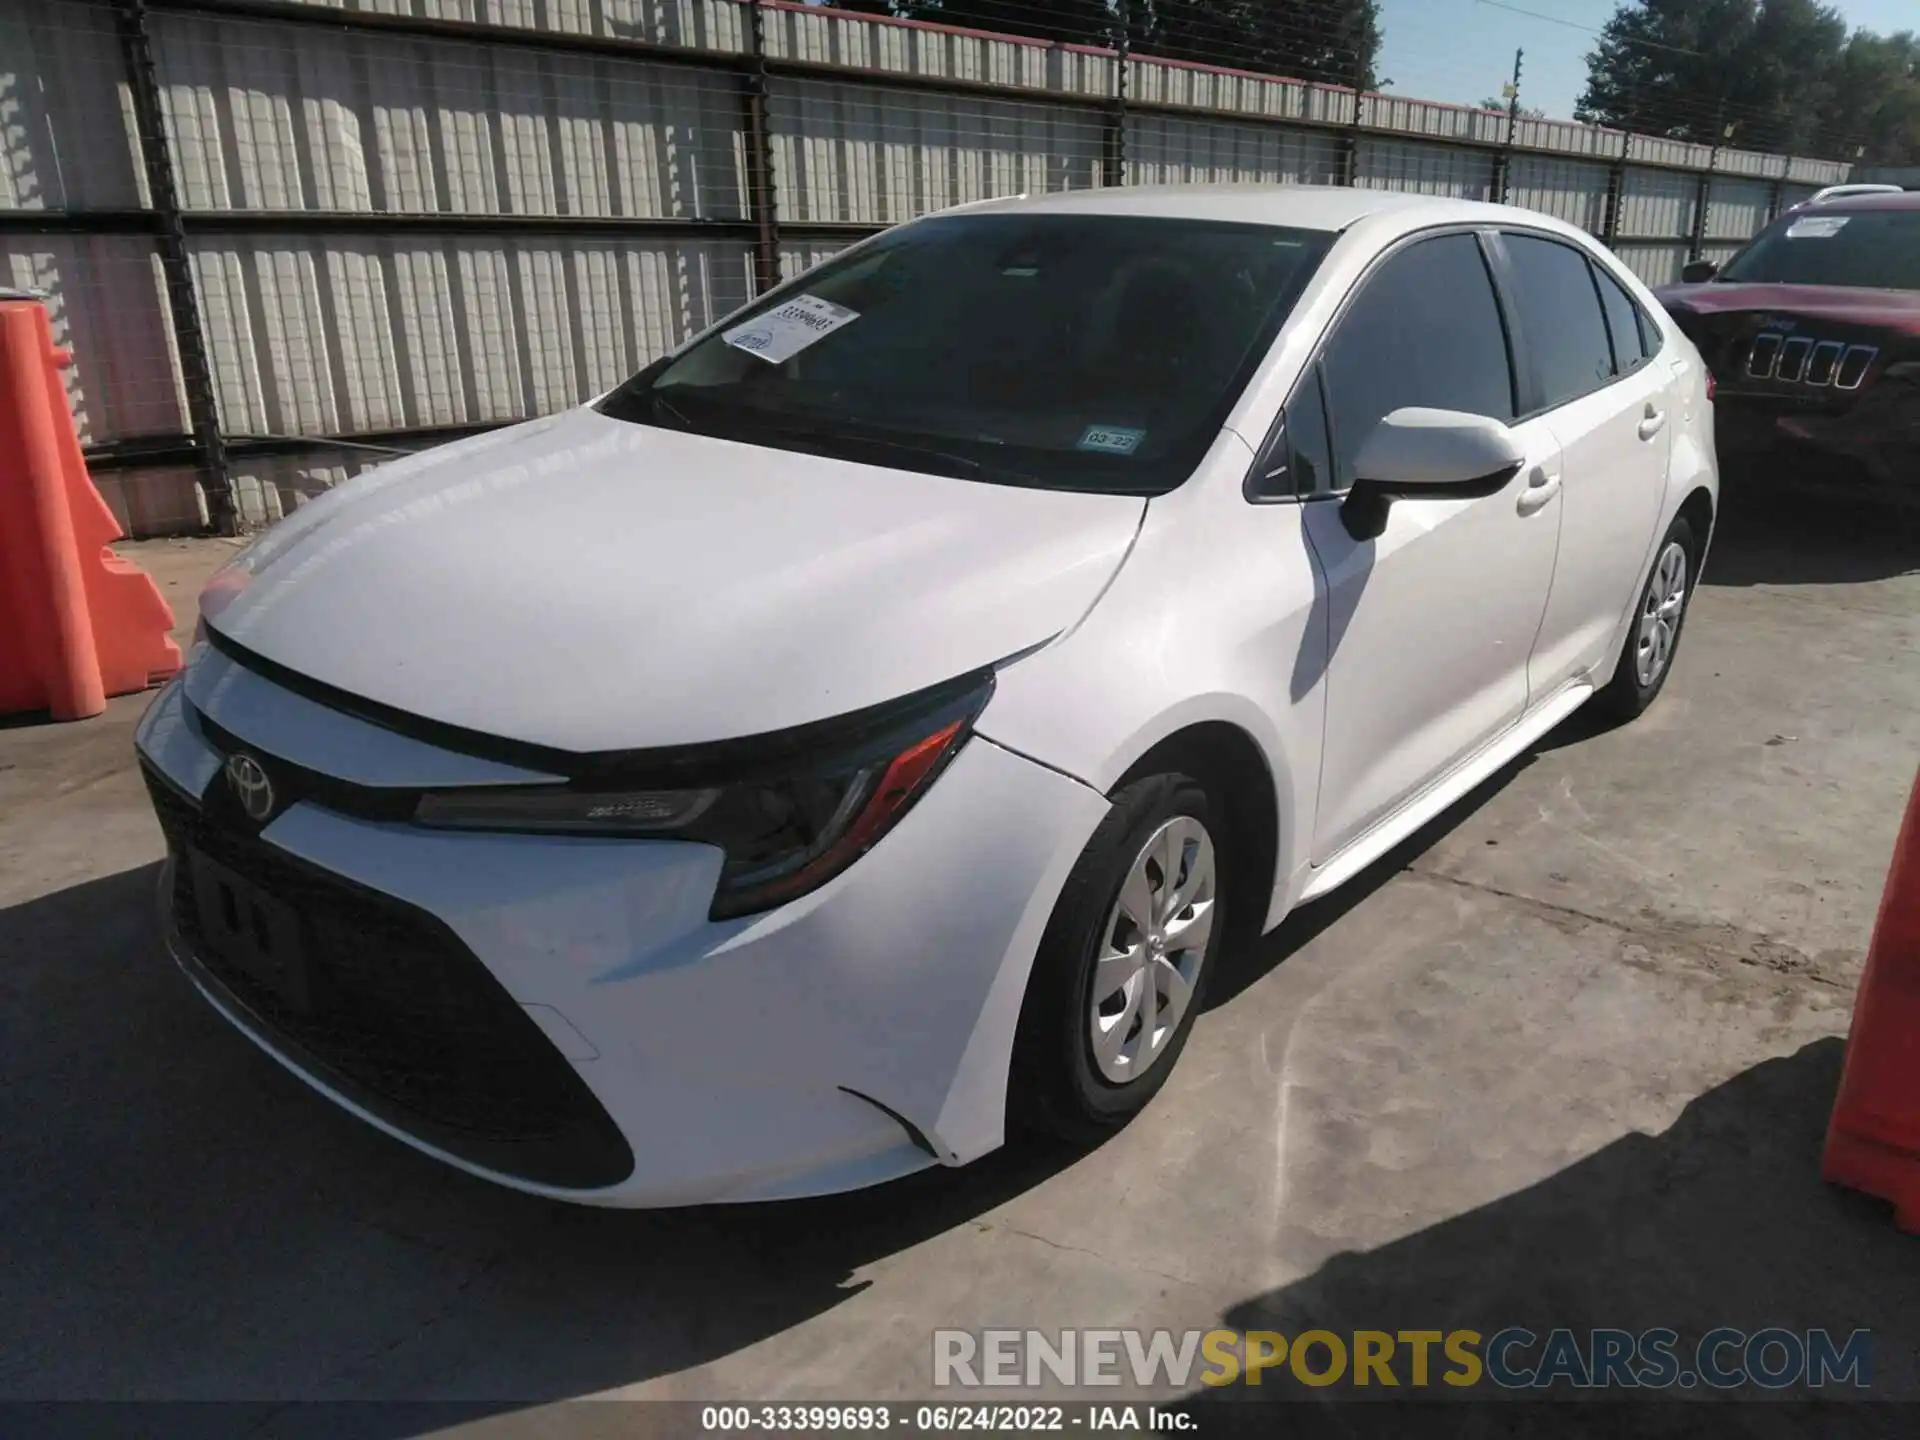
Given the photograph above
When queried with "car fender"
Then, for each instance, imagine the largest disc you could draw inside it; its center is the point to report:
(1219, 614)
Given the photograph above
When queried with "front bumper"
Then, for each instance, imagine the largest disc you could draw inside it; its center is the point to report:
(855, 1035)
(1874, 437)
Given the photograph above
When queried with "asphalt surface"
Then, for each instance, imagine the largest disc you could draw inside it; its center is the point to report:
(1564, 1060)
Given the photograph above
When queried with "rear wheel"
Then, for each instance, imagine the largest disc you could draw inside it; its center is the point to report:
(1123, 966)
(1654, 636)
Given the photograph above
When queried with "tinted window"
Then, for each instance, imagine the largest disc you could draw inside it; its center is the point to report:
(1301, 462)
(1560, 316)
(1425, 331)
(1623, 323)
(1649, 334)
(1089, 352)
(1872, 249)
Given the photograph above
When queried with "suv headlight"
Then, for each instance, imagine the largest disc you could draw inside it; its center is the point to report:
(787, 824)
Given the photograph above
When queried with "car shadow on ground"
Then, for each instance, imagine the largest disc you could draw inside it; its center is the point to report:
(214, 1230)
(1252, 960)
(1722, 1220)
(180, 1217)
(1774, 531)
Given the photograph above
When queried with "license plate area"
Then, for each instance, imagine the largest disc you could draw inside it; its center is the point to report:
(251, 932)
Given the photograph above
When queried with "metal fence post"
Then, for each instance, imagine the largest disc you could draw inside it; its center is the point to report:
(1114, 152)
(170, 242)
(1350, 151)
(1616, 192)
(1503, 163)
(1617, 172)
(762, 202)
(1704, 193)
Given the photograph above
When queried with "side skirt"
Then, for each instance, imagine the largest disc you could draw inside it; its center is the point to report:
(1424, 806)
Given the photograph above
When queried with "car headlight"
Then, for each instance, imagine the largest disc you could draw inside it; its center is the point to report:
(787, 824)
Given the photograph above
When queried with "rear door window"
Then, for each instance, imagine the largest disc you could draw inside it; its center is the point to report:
(1560, 315)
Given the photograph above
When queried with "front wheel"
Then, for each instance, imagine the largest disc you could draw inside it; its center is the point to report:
(1120, 973)
(1647, 657)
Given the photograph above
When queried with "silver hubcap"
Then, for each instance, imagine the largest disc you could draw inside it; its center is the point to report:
(1660, 615)
(1151, 950)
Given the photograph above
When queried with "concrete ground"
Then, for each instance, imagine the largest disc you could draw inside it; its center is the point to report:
(1565, 1060)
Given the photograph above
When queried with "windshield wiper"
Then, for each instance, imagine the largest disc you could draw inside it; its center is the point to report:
(663, 406)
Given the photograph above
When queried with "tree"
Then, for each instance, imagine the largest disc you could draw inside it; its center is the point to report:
(1875, 102)
(1783, 74)
(1068, 22)
(1330, 41)
(1495, 102)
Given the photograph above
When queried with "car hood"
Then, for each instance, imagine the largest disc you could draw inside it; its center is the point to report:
(588, 584)
(1897, 310)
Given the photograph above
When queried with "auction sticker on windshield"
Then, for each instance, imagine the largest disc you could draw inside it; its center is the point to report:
(787, 329)
(1816, 227)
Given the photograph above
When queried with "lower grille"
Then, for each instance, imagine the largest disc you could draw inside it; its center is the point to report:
(397, 1014)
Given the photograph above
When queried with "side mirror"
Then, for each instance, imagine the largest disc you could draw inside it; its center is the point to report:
(1698, 272)
(1438, 454)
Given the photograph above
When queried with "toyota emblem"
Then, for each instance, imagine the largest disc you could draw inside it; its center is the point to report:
(247, 778)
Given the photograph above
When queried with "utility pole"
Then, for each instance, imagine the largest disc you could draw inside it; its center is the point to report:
(1503, 181)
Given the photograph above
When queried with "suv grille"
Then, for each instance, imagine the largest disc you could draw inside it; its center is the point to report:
(397, 1013)
(1798, 360)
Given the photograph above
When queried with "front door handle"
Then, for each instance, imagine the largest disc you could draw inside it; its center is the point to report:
(1651, 421)
(1541, 487)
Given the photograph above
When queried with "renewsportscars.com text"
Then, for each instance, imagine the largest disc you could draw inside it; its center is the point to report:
(1514, 1358)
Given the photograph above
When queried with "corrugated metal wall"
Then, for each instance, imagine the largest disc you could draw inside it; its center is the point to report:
(1426, 169)
(106, 305)
(1571, 190)
(874, 156)
(363, 122)
(344, 334)
(1173, 150)
(66, 142)
(416, 232)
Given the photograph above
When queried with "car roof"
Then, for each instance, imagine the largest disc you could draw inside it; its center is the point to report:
(1895, 200)
(1308, 207)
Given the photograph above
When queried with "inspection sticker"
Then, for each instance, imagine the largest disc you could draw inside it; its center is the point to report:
(787, 329)
(1816, 227)
(1111, 439)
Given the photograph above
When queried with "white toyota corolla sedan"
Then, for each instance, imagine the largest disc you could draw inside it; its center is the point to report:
(855, 735)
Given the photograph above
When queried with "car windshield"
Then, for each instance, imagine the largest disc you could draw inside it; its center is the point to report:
(1872, 249)
(1070, 352)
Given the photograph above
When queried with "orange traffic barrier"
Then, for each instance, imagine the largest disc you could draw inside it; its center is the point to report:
(77, 622)
(1873, 1140)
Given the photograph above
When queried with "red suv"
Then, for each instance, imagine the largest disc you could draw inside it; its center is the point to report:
(1813, 335)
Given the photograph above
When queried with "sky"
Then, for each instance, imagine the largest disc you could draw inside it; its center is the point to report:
(1462, 50)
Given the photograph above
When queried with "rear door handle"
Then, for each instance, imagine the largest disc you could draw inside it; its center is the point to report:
(1541, 487)
(1651, 421)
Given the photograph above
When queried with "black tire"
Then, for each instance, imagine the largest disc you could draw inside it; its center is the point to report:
(1624, 697)
(1056, 1086)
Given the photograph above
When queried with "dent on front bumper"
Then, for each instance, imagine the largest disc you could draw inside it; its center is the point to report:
(855, 1035)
